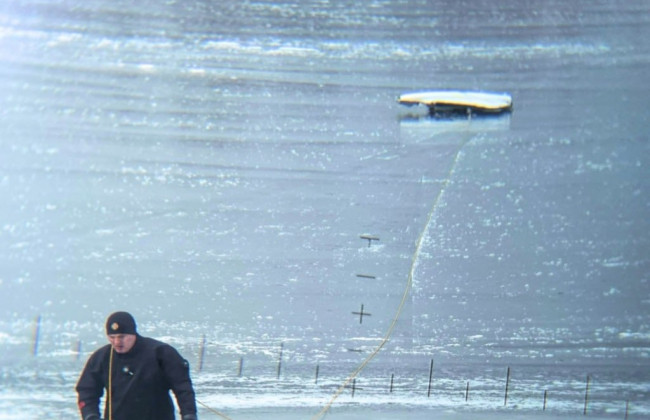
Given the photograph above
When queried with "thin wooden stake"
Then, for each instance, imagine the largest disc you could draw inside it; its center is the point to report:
(78, 351)
(280, 359)
(37, 336)
(201, 354)
(627, 408)
(505, 400)
(545, 399)
(430, 378)
(584, 412)
(241, 367)
(316, 381)
(467, 392)
(392, 376)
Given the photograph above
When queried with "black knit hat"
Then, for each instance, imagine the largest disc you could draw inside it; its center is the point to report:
(120, 323)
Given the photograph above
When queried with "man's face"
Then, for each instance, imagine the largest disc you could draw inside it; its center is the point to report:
(122, 343)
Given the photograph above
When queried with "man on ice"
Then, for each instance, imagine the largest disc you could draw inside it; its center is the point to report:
(137, 373)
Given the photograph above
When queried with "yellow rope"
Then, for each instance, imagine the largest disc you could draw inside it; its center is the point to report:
(400, 308)
(109, 392)
(409, 283)
(212, 410)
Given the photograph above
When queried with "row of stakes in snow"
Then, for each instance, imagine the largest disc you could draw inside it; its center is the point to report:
(354, 387)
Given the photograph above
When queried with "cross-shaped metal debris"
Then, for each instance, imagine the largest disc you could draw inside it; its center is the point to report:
(361, 314)
(370, 238)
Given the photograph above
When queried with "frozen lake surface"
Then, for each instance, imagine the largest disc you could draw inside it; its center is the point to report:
(211, 167)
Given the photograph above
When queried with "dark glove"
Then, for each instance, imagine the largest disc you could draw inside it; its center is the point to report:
(190, 417)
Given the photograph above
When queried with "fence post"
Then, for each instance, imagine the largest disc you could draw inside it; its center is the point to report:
(78, 351)
(587, 395)
(430, 378)
(201, 354)
(280, 359)
(36, 336)
(505, 400)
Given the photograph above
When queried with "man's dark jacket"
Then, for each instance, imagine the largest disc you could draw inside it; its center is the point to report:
(141, 381)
